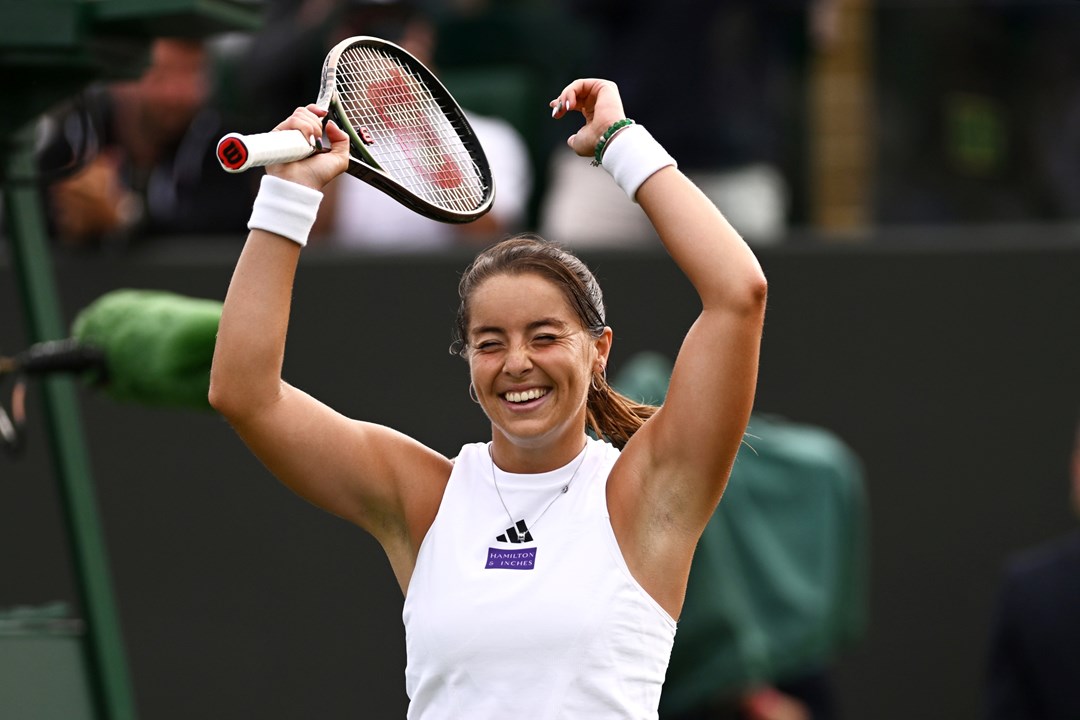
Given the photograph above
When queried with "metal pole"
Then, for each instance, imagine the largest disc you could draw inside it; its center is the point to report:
(33, 272)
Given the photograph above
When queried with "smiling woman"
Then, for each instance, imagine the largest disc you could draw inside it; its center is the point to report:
(535, 311)
(542, 570)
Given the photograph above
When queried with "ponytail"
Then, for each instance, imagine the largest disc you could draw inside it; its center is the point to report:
(613, 416)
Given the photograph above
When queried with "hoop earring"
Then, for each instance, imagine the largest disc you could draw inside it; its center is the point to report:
(472, 394)
(603, 384)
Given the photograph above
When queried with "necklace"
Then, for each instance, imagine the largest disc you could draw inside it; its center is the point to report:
(519, 532)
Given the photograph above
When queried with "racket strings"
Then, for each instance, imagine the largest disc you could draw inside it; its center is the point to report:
(412, 137)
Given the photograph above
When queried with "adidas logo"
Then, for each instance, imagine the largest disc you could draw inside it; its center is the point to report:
(518, 533)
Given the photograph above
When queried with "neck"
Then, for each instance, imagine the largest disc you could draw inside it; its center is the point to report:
(515, 457)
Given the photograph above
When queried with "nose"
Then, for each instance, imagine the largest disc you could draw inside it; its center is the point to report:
(517, 361)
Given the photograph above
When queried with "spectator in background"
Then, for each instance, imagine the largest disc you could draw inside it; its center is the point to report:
(1034, 661)
(735, 67)
(282, 60)
(151, 167)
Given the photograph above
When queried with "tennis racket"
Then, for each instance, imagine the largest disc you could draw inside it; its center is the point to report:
(408, 137)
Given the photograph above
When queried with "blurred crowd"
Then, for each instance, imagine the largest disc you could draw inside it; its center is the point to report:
(974, 117)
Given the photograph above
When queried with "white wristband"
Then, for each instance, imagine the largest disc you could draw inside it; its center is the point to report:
(632, 156)
(285, 208)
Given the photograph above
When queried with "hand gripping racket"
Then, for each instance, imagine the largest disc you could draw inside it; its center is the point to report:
(407, 135)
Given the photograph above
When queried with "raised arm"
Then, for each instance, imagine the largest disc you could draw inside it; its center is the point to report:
(362, 472)
(674, 469)
(695, 436)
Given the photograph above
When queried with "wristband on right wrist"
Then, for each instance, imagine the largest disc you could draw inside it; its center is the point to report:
(285, 208)
(634, 158)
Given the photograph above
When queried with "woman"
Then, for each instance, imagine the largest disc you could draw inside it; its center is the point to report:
(542, 571)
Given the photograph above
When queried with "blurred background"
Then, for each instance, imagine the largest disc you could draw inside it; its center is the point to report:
(908, 172)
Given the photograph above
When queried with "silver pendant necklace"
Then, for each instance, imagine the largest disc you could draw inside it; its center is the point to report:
(519, 532)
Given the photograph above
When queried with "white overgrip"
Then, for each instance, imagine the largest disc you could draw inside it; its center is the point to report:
(238, 153)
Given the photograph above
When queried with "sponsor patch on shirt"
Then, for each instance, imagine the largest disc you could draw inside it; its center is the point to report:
(516, 559)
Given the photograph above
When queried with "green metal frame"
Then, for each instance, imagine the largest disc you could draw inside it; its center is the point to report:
(31, 263)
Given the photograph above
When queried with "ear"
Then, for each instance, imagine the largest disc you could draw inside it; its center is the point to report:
(603, 348)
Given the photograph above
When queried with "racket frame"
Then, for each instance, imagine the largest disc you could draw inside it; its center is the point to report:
(362, 164)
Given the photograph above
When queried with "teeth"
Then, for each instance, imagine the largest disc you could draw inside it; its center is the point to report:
(531, 394)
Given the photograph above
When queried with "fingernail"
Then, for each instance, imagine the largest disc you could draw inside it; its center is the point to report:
(567, 106)
(554, 111)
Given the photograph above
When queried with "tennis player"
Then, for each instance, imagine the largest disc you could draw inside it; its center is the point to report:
(543, 570)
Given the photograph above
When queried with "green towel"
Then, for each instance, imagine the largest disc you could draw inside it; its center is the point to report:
(158, 345)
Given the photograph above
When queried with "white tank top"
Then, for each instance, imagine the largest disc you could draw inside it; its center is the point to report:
(550, 627)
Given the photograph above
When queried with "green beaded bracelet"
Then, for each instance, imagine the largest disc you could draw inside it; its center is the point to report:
(602, 142)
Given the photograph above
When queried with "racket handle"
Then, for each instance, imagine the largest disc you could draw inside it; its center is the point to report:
(237, 152)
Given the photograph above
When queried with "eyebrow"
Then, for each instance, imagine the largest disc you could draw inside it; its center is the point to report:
(534, 325)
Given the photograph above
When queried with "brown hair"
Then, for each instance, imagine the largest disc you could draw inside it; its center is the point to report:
(609, 414)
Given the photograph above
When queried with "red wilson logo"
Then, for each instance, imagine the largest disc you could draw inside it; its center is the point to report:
(232, 153)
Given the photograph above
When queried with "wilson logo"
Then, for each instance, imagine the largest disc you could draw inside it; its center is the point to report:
(232, 153)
